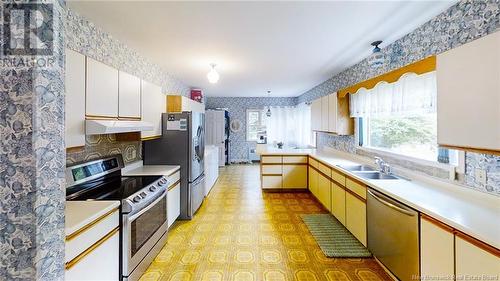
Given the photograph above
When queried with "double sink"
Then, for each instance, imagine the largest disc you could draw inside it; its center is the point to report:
(367, 172)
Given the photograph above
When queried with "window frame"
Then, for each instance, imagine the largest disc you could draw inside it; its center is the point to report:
(360, 139)
(247, 124)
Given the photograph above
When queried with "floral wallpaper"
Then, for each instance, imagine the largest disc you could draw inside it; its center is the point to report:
(84, 37)
(32, 157)
(465, 21)
(237, 107)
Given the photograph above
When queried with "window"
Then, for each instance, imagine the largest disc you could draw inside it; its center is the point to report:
(255, 124)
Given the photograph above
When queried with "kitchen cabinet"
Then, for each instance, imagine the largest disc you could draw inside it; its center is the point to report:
(92, 251)
(102, 90)
(468, 99)
(338, 202)
(331, 114)
(129, 101)
(324, 195)
(211, 166)
(295, 176)
(436, 249)
(324, 114)
(316, 115)
(355, 217)
(100, 264)
(153, 105)
(339, 121)
(313, 181)
(173, 198)
(475, 260)
(74, 111)
(176, 103)
(271, 172)
(355, 209)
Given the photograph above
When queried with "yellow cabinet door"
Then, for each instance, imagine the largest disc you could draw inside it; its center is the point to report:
(324, 192)
(471, 260)
(355, 217)
(436, 249)
(338, 202)
(295, 176)
(271, 182)
(313, 181)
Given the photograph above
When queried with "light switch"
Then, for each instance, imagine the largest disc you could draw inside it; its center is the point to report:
(480, 175)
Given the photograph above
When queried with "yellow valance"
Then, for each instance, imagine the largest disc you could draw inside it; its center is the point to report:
(419, 67)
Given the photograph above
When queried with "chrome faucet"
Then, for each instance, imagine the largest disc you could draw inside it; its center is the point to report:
(383, 166)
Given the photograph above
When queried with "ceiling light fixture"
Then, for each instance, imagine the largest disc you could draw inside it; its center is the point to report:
(268, 113)
(213, 76)
(377, 58)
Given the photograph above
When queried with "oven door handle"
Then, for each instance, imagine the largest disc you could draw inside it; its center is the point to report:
(151, 205)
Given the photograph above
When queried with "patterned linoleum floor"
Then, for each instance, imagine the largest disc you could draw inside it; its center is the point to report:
(241, 233)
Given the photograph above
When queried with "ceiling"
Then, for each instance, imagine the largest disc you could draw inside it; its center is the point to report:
(285, 47)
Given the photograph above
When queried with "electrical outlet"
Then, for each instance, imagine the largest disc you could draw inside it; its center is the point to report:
(480, 175)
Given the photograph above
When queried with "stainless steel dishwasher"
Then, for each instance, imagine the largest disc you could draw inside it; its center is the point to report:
(393, 235)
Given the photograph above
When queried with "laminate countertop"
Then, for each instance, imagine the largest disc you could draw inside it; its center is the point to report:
(139, 169)
(81, 213)
(471, 212)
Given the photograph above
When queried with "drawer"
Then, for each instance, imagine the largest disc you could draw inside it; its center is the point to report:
(272, 159)
(90, 234)
(325, 169)
(338, 177)
(173, 178)
(272, 169)
(356, 187)
(270, 182)
(295, 159)
(313, 162)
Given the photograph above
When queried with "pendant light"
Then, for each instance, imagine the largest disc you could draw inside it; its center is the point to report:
(268, 112)
(377, 58)
(213, 76)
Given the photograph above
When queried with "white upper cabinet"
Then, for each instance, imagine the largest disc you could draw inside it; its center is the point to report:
(129, 96)
(102, 90)
(468, 100)
(316, 115)
(75, 99)
(324, 114)
(331, 114)
(153, 105)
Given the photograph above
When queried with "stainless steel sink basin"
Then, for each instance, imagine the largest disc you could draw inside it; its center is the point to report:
(375, 176)
(356, 168)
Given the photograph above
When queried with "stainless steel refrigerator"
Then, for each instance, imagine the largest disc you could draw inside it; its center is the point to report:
(182, 143)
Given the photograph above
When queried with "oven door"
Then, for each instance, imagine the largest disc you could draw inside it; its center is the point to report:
(141, 231)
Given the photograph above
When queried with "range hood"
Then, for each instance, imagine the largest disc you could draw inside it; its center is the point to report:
(99, 127)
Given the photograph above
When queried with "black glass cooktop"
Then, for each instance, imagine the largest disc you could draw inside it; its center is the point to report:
(114, 187)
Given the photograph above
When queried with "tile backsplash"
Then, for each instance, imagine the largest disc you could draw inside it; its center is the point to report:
(97, 146)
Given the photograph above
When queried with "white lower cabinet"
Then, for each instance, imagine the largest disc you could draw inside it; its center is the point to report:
(471, 260)
(436, 250)
(271, 182)
(173, 198)
(101, 263)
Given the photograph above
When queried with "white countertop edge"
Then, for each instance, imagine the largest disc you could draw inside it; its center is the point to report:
(87, 212)
(137, 168)
(492, 202)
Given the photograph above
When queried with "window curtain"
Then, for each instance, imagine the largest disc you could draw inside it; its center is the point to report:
(411, 94)
(290, 125)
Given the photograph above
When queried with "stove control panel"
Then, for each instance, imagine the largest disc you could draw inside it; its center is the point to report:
(145, 196)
